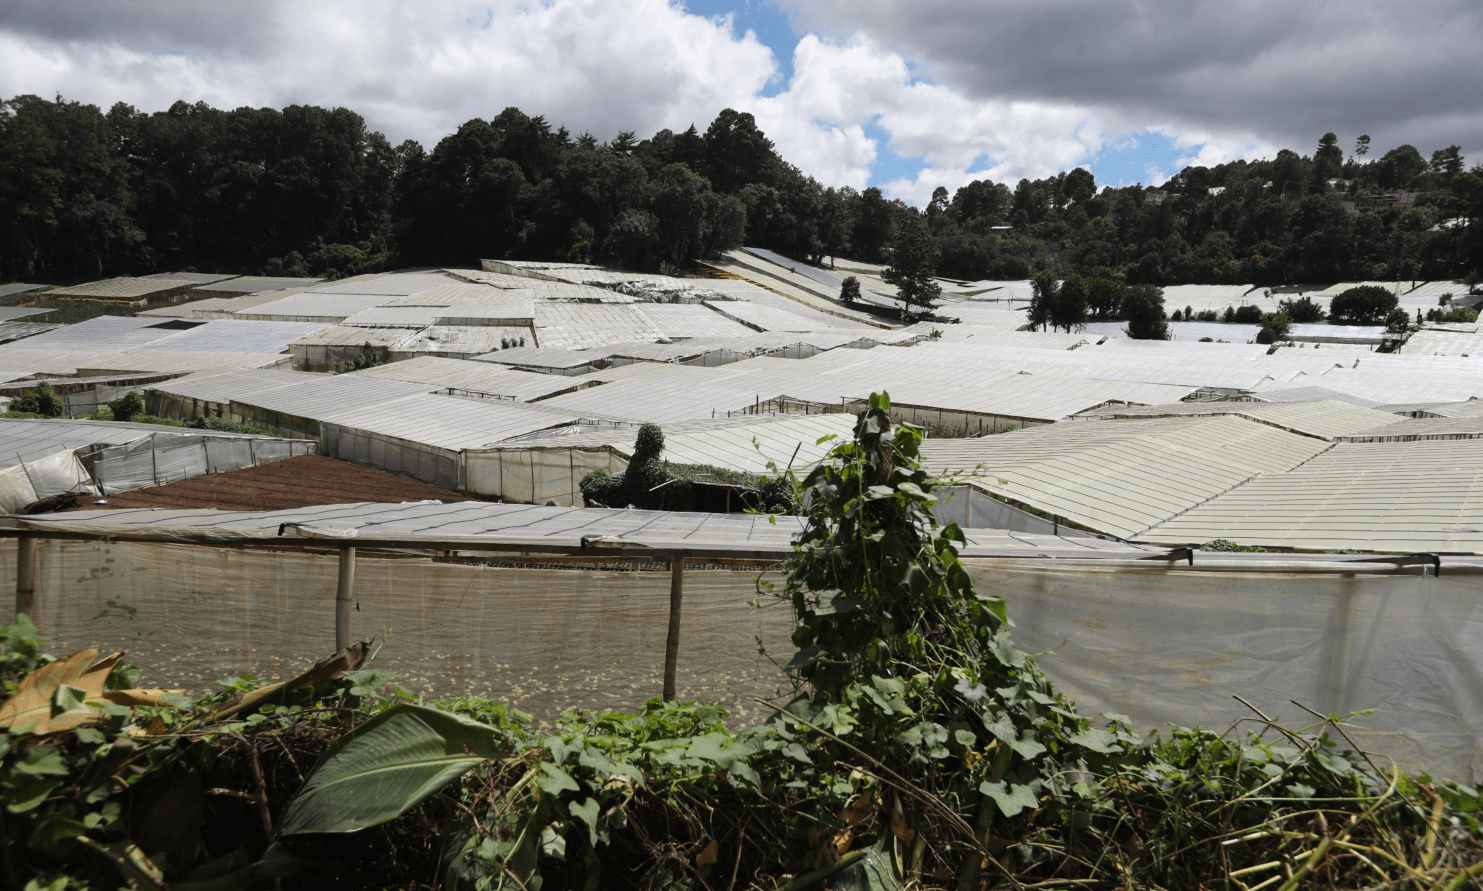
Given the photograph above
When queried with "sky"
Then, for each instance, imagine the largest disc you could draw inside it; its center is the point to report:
(907, 95)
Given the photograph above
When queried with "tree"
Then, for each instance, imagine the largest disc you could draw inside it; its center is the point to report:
(1070, 308)
(874, 227)
(1105, 296)
(1362, 146)
(1364, 305)
(849, 289)
(938, 205)
(1399, 166)
(1398, 321)
(913, 260)
(737, 152)
(1044, 290)
(1144, 310)
(1080, 185)
(1447, 162)
(1328, 161)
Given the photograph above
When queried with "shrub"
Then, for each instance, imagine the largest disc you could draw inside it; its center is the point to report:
(1176, 317)
(1398, 321)
(42, 401)
(369, 357)
(1247, 315)
(1458, 314)
(1230, 314)
(647, 484)
(1303, 310)
(222, 425)
(1364, 305)
(849, 289)
(127, 407)
(1274, 327)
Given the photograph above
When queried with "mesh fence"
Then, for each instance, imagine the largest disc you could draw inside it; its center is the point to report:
(542, 640)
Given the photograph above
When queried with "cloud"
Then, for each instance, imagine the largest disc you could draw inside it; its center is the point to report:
(852, 84)
(1238, 72)
(414, 69)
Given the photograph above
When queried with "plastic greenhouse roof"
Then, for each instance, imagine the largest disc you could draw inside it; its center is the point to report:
(742, 444)
(7, 290)
(1403, 497)
(1327, 420)
(445, 422)
(687, 320)
(1122, 477)
(313, 305)
(762, 318)
(254, 284)
(123, 288)
(476, 377)
(398, 284)
(584, 325)
(520, 527)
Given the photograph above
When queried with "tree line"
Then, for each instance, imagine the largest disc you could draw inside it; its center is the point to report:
(86, 194)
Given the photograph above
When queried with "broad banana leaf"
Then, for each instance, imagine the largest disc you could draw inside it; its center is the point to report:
(387, 766)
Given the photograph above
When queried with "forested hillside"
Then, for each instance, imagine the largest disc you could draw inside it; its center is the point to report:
(86, 194)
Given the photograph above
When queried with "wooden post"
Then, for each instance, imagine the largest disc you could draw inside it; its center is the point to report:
(343, 599)
(25, 579)
(672, 644)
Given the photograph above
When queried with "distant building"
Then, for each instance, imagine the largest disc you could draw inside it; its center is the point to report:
(1154, 197)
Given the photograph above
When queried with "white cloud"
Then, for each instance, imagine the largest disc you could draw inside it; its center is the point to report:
(415, 70)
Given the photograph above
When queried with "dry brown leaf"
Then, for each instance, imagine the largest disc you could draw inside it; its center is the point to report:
(842, 841)
(321, 672)
(859, 810)
(32, 701)
(903, 832)
(708, 856)
(140, 696)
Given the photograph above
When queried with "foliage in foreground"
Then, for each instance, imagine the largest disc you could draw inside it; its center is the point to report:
(919, 749)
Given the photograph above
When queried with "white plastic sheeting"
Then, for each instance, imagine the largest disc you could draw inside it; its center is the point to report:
(1172, 644)
(56, 474)
(546, 475)
(171, 457)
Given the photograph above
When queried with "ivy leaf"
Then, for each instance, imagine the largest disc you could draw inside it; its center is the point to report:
(1097, 740)
(587, 812)
(1027, 747)
(1010, 798)
(555, 781)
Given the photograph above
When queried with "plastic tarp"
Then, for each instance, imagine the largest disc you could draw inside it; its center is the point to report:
(414, 460)
(1175, 646)
(537, 475)
(159, 458)
(56, 474)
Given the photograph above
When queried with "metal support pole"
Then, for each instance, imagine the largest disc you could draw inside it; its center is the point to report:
(343, 599)
(25, 579)
(672, 644)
